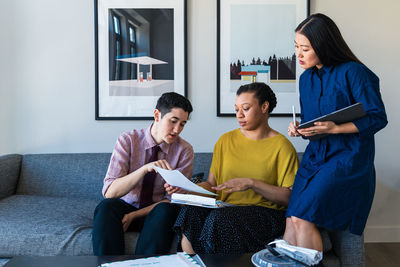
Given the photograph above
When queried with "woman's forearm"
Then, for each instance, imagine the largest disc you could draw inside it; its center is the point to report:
(206, 185)
(276, 194)
(344, 128)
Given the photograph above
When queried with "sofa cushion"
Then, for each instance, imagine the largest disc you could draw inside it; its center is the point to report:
(348, 247)
(326, 241)
(197, 177)
(3, 261)
(202, 163)
(37, 225)
(77, 175)
(10, 166)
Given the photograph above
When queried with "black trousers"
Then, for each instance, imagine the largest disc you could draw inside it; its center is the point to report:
(156, 228)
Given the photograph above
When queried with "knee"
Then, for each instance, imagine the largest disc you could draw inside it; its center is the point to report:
(163, 210)
(301, 224)
(104, 207)
(289, 223)
(220, 215)
(163, 206)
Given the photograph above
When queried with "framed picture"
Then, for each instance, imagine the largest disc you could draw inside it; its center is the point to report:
(255, 43)
(140, 53)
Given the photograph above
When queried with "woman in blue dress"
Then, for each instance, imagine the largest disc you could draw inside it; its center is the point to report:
(335, 184)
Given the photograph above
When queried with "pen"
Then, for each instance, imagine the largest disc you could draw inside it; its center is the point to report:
(294, 116)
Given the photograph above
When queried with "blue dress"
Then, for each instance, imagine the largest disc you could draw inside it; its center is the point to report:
(335, 184)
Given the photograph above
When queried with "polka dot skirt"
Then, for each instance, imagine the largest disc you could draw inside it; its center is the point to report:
(231, 230)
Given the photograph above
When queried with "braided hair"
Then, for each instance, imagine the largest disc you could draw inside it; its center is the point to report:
(262, 92)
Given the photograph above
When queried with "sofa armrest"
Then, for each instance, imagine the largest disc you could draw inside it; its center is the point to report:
(10, 166)
(348, 247)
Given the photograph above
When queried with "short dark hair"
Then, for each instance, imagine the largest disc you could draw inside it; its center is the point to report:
(170, 100)
(326, 40)
(262, 92)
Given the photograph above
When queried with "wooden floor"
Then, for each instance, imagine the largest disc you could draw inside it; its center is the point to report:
(382, 254)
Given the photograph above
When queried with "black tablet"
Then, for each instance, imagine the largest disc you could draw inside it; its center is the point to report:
(340, 116)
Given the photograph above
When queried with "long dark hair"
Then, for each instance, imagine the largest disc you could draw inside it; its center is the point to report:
(326, 40)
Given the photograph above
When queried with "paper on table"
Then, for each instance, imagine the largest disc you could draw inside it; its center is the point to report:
(176, 178)
(181, 259)
(309, 257)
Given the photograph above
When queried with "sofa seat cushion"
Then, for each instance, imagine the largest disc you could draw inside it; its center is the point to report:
(326, 240)
(45, 226)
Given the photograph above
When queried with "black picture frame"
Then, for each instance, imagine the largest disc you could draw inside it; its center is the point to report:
(140, 53)
(241, 29)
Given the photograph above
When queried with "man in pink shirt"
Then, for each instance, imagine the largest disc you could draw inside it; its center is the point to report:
(135, 197)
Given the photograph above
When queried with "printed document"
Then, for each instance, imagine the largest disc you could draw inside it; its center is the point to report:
(180, 259)
(176, 178)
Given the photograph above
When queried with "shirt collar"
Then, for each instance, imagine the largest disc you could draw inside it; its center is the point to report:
(150, 142)
(324, 69)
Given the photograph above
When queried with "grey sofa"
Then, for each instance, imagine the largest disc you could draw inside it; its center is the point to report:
(47, 203)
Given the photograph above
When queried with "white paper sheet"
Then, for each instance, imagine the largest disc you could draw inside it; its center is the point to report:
(176, 178)
(310, 257)
(181, 259)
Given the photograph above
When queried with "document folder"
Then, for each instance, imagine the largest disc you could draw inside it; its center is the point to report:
(340, 116)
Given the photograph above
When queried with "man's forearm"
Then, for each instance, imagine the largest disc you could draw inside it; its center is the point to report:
(121, 186)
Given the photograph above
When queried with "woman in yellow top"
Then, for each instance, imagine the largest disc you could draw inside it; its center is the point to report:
(253, 167)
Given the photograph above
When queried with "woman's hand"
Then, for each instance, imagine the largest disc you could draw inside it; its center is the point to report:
(292, 129)
(163, 164)
(320, 127)
(127, 220)
(173, 189)
(235, 185)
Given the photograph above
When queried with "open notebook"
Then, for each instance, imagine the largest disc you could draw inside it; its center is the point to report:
(195, 200)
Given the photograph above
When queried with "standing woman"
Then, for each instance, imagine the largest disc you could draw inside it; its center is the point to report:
(335, 184)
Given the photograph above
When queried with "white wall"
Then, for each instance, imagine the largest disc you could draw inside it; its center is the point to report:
(6, 96)
(50, 59)
(47, 84)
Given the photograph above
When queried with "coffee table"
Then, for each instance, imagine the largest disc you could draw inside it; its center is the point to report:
(243, 260)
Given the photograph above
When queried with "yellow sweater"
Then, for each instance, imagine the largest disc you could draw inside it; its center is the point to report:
(272, 160)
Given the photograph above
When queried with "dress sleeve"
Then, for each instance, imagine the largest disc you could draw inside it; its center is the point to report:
(119, 163)
(364, 87)
(216, 160)
(287, 165)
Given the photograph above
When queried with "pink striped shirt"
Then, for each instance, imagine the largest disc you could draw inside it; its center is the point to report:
(133, 150)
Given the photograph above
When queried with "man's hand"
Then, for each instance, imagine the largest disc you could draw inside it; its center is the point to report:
(173, 189)
(235, 185)
(149, 167)
(127, 220)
